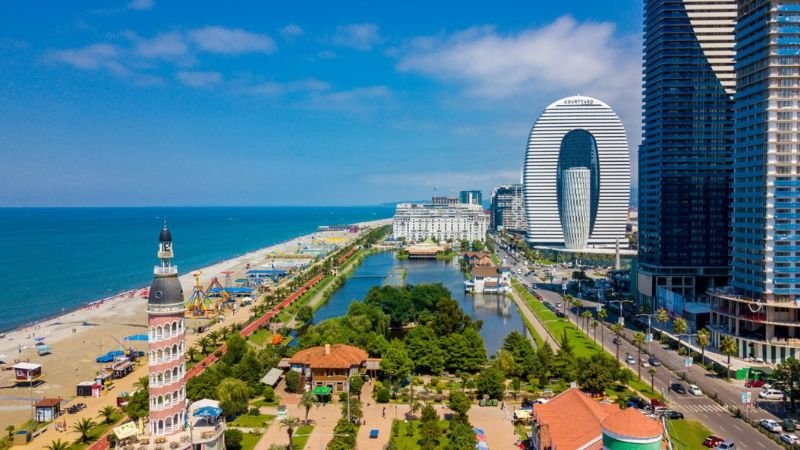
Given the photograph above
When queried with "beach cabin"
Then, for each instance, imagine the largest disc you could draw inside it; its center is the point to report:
(26, 372)
(88, 389)
(47, 409)
(120, 369)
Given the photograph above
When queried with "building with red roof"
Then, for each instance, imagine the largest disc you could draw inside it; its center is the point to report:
(329, 365)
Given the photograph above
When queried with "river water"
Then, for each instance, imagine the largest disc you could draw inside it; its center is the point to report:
(499, 314)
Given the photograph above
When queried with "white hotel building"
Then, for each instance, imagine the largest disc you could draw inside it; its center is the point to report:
(442, 222)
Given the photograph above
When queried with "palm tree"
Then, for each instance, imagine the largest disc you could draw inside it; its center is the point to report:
(586, 316)
(617, 328)
(680, 327)
(594, 325)
(567, 303)
(291, 424)
(703, 339)
(214, 336)
(10, 430)
(602, 317)
(578, 303)
(728, 347)
(307, 401)
(142, 383)
(662, 317)
(84, 426)
(638, 341)
(107, 413)
(191, 352)
(204, 343)
(652, 372)
(57, 445)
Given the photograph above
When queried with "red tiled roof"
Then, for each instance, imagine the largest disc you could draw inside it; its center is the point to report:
(632, 423)
(340, 356)
(48, 402)
(484, 271)
(562, 413)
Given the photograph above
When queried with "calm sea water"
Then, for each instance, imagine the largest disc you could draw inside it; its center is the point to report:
(57, 259)
(499, 314)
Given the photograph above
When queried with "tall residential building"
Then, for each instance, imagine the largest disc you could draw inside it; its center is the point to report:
(443, 222)
(471, 197)
(508, 208)
(577, 132)
(760, 309)
(685, 156)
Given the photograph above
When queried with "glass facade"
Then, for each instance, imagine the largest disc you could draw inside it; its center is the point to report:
(685, 159)
(579, 149)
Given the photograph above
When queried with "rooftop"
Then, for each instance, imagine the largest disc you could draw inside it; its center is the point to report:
(633, 424)
(484, 271)
(337, 356)
(569, 408)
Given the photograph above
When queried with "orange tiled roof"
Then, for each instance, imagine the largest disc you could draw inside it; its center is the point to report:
(632, 423)
(571, 407)
(484, 271)
(341, 356)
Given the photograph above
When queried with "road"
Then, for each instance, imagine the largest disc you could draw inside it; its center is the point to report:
(701, 408)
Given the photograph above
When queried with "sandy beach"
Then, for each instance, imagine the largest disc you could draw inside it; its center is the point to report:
(78, 337)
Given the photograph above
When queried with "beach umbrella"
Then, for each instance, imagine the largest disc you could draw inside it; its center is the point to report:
(40, 338)
(135, 337)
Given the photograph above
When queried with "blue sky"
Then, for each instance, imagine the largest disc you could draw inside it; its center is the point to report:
(155, 102)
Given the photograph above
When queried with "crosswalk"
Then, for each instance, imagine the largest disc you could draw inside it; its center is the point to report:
(702, 408)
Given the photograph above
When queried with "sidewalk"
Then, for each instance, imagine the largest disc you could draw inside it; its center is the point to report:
(537, 324)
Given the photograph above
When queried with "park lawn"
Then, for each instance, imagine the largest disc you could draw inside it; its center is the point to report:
(261, 402)
(687, 434)
(303, 432)
(248, 421)
(404, 442)
(249, 441)
(644, 388)
(260, 336)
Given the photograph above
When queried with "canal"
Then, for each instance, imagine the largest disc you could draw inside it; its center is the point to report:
(498, 313)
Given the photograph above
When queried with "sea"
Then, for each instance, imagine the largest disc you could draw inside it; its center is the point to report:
(55, 260)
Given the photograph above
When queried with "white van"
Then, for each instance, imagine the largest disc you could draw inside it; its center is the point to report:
(771, 394)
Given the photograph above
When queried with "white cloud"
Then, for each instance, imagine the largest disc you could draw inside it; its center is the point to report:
(141, 5)
(272, 88)
(164, 45)
(358, 36)
(291, 31)
(357, 100)
(445, 179)
(91, 57)
(198, 78)
(326, 54)
(231, 41)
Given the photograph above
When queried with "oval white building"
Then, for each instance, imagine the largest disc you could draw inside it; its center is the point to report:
(577, 132)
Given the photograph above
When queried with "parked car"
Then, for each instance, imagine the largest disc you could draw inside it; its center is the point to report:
(630, 359)
(694, 390)
(678, 388)
(673, 415)
(755, 383)
(644, 362)
(771, 394)
(638, 402)
(771, 425)
(790, 439)
(617, 341)
(727, 445)
(655, 362)
(713, 441)
(789, 425)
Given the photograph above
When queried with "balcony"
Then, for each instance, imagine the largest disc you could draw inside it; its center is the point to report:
(199, 433)
(170, 270)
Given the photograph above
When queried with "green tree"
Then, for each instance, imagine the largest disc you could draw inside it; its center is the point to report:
(58, 445)
(291, 424)
(233, 439)
(269, 394)
(652, 372)
(461, 436)
(204, 343)
(84, 427)
(233, 396)
(308, 401)
(383, 395)
(10, 429)
(107, 413)
(249, 370)
(597, 373)
(594, 324)
(305, 314)
(344, 435)
(395, 362)
(729, 348)
(703, 339)
(788, 373)
(601, 316)
(355, 384)
(424, 349)
(237, 348)
(491, 382)
(355, 408)
(638, 340)
(505, 361)
(662, 317)
(429, 430)
(138, 405)
(292, 381)
(214, 337)
(618, 328)
(680, 327)
(191, 353)
(586, 315)
(459, 403)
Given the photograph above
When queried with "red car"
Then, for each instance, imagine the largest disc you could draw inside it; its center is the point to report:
(755, 383)
(713, 441)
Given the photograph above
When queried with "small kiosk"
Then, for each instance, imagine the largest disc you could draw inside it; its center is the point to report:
(26, 372)
(47, 409)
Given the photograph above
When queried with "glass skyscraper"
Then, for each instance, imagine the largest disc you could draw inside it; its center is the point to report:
(760, 309)
(685, 157)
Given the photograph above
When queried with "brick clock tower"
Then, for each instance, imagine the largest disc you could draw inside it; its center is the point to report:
(165, 316)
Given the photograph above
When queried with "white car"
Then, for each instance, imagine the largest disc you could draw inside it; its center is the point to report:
(630, 359)
(771, 425)
(790, 439)
(694, 390)
(771, 394)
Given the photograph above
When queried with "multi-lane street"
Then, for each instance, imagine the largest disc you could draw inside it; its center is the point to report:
(702, 408)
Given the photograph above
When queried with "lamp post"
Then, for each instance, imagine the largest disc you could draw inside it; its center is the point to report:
(649, 329)
(620, 319)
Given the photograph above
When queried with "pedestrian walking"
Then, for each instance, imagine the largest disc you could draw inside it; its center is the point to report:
(383, 413)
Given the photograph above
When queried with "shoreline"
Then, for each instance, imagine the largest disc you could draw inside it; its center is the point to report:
(34, 325)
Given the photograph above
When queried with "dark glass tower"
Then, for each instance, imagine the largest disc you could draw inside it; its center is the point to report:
(685, 160)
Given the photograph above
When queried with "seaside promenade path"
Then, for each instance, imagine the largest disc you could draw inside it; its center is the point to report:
(533, 319)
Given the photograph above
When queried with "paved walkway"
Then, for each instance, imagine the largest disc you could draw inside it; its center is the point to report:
(533, 319)
(323, 418)
(496, 423)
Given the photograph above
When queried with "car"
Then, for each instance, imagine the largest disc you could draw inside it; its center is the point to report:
(770, 425)
(755, 383)
(638, 402)
(630, 359)
(673, 415)
(694, 390)
(644, 362)
(560, 314)
(678, 388)
(713, 441)
(789, 425)
(790, 439)
(617, 341)
(771, 394)
(727, 445)
(655, 362)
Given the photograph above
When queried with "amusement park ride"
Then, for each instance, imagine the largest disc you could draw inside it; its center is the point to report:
(209, 302)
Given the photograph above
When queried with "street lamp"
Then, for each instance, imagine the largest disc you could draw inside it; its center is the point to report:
(649, 328)
(620, 319)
